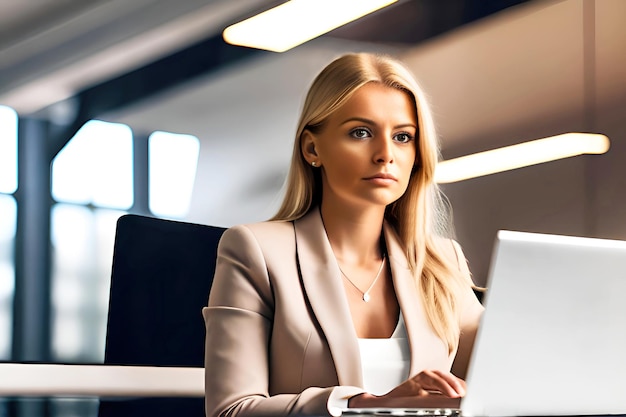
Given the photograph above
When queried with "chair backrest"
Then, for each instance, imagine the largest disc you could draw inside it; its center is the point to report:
(161, 278)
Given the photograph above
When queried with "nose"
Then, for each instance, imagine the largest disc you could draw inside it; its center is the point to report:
(383, 154)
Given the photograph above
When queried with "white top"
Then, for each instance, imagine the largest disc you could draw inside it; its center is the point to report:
(385, 362)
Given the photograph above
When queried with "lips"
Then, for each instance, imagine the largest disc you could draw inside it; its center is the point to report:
(382, 176)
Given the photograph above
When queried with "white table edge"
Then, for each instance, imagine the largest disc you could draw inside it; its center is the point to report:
(34, 379)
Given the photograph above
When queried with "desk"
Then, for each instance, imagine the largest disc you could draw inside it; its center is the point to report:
(50, 380)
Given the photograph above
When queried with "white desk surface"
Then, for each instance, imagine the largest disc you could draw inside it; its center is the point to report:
(28, 379)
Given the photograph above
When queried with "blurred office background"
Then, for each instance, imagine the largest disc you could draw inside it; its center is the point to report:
(110, 107)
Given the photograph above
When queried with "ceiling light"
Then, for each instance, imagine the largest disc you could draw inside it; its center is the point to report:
(297, 21)
(520, 155)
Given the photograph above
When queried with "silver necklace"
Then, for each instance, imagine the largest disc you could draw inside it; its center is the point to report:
(365, 295)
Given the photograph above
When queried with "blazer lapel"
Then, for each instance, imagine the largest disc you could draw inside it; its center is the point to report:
(423, 342)
(322, 283)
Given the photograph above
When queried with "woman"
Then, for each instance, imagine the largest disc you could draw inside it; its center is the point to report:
(349, 296)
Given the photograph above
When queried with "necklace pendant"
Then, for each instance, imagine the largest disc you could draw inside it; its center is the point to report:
(366, 297)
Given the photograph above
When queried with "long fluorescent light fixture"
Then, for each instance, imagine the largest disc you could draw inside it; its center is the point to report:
(297, 21)
(520, 155)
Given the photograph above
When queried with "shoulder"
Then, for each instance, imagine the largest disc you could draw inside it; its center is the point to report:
(261, 229)
(264, 235)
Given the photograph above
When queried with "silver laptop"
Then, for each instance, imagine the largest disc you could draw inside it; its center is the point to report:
(553, 336)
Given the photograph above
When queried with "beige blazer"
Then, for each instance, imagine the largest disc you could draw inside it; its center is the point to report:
(279, 334)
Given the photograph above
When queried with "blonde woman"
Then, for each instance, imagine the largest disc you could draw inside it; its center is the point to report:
(350, 296)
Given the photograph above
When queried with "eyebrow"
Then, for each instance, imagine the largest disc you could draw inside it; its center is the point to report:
(371, 122)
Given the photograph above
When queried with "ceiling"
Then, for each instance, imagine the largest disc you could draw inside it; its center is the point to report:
(52, 50)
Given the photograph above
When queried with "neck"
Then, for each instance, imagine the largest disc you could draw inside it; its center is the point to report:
(354, 234)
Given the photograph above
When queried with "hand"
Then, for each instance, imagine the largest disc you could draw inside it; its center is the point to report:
(429, 382)
(426, 389)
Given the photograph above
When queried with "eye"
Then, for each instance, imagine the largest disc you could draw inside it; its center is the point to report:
(360, 133)
(403, 137)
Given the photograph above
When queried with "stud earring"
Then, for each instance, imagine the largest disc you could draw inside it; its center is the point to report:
(314, 163)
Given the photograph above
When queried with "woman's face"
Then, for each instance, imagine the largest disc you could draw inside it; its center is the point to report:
(367, 148)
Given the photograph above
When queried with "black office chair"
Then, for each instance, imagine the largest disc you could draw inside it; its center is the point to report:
(161, 278)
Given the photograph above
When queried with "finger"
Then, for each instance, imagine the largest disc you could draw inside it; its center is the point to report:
(455, 382)
(449, 384)
(438, 401)
(421, 392)
(444, 383)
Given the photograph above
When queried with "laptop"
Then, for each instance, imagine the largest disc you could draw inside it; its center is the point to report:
(552, 339)
(553, 336)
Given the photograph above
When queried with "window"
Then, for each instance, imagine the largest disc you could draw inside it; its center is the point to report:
(82, 239)
(8, 150)
(8, 218)
(96, 167)
(172, 170)
(7, 272)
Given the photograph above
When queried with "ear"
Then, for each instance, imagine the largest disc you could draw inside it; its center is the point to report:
(308, 143)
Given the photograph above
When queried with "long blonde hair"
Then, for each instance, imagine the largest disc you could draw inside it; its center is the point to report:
(418, 217)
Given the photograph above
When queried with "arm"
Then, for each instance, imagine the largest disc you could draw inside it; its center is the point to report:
(238, 327)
